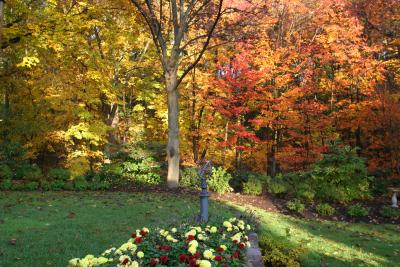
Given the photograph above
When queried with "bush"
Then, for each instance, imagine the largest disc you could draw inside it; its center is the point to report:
(57, 185)
(390, 212)
(81, 184)
(277, 253)
(295, 205)
(31, 186)
(5, 172)
(277, 185)
(69, 186)
(59, 174)
(6, 184)
(219, 180)
(254, 185)
(357, 211)
(325, 209)
(175, 247)
(341, 176)
(45, 185)
(189, 178)
(29, 172)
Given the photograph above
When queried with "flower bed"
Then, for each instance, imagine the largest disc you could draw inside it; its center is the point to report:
(202, 246)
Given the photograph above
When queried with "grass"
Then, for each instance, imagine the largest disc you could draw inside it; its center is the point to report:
(50, 228)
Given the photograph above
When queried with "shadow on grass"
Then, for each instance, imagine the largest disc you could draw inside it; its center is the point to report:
(51, 228)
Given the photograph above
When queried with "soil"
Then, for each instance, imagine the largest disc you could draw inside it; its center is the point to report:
(271, 203)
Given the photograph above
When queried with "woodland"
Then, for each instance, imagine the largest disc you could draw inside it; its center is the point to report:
(295, 103)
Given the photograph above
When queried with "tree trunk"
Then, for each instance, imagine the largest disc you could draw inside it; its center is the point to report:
(173, 128)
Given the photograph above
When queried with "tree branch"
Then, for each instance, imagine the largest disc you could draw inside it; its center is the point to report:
(210, 33)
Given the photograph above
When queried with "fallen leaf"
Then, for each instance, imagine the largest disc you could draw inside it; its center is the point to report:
(71, 215)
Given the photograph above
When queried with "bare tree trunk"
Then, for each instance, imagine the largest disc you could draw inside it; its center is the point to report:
(173, 127)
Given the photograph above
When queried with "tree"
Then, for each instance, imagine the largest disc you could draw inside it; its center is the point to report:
(171, 24)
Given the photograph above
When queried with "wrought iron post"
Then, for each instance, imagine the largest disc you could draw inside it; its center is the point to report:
(203, 172)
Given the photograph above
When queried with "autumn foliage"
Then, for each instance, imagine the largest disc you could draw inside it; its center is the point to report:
(280, 80)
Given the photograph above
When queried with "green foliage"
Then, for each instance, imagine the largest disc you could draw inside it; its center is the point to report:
(28, 186)
(31, 186)
(295, 205)
(28, 172)
(189, 178)
(59, 174)
(357, 211)
(5, 184)
(254, 185)
(277, 253)
(81, 184)
(341, 176)
(45, 185)
(5, 172)
(131, 164)
(219, 180)
(277, 185)
(11, 153)
(57, 185)
(325, 209)
(390, 212)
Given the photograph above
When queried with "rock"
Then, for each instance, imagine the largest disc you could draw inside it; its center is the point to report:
(253, 253)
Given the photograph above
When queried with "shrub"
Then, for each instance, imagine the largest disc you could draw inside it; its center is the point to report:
(325, 209)
(59, 174)
(279, 254)
(29, 172)
(45, 185)
(189, 178)
(357, 211)
(57, 185)
(31, 186)
(6, 184)
(341, 176)
(276, 185)
(254, 185)
(100, 185)
(18, 187)
(390, 212)
(69, 186)
(80, 184)
(5, 172)
(211, 246)
(295, 205)
(219, 180)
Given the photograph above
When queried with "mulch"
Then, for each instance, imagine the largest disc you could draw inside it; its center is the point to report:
(271, 203)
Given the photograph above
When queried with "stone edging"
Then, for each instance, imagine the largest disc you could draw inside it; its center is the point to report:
(253, 253)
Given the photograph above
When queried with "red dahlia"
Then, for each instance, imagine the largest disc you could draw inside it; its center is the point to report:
(197, 255)
(182, 257)
(220, 249)
(153, 261)
(164, 258)
(190, 238)
(242, 245)
(236, 255)
(138, 240)
(235, 241)
(218, 258)
(143, 233)
(133, 235)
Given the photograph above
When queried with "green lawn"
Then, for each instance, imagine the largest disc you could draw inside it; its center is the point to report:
(50, 228)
